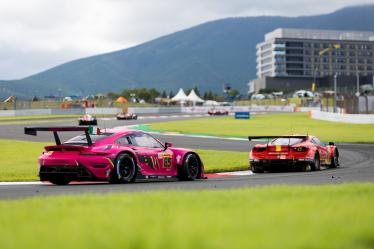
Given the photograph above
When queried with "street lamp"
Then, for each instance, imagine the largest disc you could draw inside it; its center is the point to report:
(335, 86)
(358, 83)
(321, 54)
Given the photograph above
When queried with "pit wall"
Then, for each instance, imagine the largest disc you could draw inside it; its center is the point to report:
(344, 118)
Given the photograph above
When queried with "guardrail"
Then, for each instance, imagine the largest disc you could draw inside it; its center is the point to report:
(345, 118)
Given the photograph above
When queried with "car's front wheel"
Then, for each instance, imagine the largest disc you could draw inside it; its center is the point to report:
(125, 169)
(190, 169)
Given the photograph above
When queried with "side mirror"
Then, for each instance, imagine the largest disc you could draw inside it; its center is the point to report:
(167, 145)
(331, 143)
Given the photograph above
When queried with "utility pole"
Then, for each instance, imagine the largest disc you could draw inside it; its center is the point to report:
(335, 87)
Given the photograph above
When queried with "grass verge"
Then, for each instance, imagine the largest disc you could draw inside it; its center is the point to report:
(333, 216)
(19, 160)
(272, 124)
(43, 117)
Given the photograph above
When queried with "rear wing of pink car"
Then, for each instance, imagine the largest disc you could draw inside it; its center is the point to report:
(33, 132)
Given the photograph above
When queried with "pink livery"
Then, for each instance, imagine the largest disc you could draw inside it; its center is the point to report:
(115, 156)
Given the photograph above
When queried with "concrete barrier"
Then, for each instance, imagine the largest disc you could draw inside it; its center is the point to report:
(345, 118)
(252, 108)
(143, 110)
(107, 110)
(72, 111)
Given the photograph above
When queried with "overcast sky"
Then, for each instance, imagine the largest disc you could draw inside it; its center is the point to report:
(38, 34)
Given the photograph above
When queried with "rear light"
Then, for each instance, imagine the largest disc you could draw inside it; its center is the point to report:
(259, 149)
(300, 149)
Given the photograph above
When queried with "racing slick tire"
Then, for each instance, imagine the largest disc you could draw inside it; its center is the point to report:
(256, 169)
(190, 169)
(125, 169)
(316, 165)
(94, 122)
(59, 181)
(335, 159)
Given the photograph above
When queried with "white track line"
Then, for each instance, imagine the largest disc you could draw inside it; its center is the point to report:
(19, 183)
(234, 173)
(237, 173)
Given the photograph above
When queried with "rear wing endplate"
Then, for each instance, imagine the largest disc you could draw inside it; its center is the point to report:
(33, 132)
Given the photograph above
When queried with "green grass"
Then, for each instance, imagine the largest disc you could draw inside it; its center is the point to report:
(19, 160)
(218, 161)
(30, 117)
(272, 124)
(334, 216)
(41, 117)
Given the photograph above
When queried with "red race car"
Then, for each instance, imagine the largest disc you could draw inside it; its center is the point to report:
(218, 112)
(305, 153)
(126, 116)
(87, 120)
(120, 156)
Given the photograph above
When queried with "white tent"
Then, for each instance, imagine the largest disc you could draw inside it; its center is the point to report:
(181, 96)
(194, 98)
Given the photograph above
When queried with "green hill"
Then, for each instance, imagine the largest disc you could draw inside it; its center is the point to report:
(207, 56)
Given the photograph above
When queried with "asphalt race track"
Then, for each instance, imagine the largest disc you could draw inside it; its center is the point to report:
(357, 165)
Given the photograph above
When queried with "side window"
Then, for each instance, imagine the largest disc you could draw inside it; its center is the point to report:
(317, 141)
(144, 140)
(123, 140)
(314, 141)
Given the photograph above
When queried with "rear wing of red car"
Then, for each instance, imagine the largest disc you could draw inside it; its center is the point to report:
(33, 132)
(250, 138)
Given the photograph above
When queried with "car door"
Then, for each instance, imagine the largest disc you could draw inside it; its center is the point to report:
(158, 158)
(145, 156)
(321, 149)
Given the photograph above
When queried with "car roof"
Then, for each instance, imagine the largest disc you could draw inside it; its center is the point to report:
(120, 131)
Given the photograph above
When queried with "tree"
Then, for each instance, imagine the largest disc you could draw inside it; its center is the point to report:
(112, 95)
(163, 94)
(196, 90)
(146, 94)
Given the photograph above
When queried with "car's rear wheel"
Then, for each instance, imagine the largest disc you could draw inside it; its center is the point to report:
(256, 169)
(316, 165)
(335, 159)
(190, 169)
(59, 181)
(125, 169)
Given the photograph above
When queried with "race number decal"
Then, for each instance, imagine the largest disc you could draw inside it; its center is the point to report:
(166, 159)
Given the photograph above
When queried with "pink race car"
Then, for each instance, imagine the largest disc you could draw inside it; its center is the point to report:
(114, 156)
